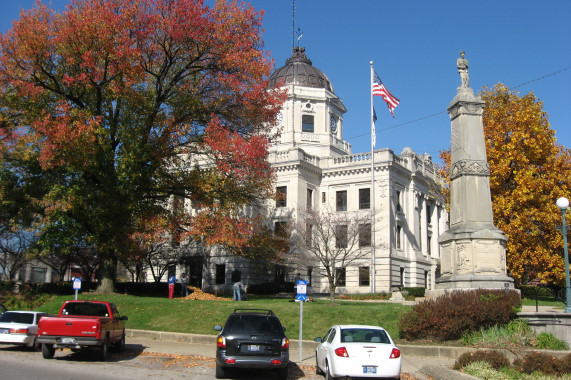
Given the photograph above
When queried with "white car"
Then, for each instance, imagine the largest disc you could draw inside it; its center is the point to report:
(20, 327)
(357, 351)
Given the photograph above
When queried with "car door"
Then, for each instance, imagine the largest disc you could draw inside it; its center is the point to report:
(324, 347)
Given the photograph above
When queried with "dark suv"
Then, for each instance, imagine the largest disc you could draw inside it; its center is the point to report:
(252, 338)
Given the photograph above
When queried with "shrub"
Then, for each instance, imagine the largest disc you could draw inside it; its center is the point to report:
(7, 285)
(538, 362)
(270, 288)
(451, 315)
(547, 341)
(483, 370)
(417, 292)
(495, 359)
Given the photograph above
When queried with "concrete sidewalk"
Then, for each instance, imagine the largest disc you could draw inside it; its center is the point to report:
(418, 361)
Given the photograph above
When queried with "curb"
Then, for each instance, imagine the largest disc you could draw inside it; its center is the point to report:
(444, 373)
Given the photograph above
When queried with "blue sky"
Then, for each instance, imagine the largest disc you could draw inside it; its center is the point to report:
(414, 45)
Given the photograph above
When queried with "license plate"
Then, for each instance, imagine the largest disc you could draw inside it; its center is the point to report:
(4, 331)
(369, 369)
(68, 341)
(253, 347)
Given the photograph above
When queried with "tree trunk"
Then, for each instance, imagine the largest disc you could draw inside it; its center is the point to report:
(107, 267)
(332, 288)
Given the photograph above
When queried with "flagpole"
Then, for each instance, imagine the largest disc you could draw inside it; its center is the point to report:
(373, 138)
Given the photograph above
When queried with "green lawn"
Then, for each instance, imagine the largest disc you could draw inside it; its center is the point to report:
(199, 317)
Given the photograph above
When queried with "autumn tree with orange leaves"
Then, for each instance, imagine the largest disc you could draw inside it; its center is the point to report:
(529, 171)
(114, 99)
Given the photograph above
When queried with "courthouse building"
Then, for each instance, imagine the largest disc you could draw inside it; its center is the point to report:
(316, 169)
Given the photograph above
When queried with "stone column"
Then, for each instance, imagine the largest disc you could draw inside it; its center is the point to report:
(473, 250)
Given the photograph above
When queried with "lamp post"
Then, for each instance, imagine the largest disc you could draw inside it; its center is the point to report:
(563, 204)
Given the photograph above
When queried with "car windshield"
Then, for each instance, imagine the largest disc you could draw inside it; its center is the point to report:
(11, 317)
(364, 335)
(252, 324)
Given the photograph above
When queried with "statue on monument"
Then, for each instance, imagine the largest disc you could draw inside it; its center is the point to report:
(462, 64)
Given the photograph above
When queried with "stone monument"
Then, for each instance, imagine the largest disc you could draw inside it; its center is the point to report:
(472, 251)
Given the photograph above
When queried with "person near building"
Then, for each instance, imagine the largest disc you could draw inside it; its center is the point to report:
(238, 287)
(183, 285)
(171, 282)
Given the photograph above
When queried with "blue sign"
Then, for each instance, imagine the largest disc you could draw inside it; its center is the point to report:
(301, 297)
(301, 290)
(77, 283)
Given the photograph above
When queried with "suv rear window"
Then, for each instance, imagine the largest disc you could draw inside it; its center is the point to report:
(248, 324)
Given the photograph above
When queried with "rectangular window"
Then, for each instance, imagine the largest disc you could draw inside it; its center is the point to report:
(38, 275)
(428, 214)
(364, 199)
(280, 229)
(340, 276)
(309, 201)
(365, 235)
(341, 200)
(281, 196)
(308, 235)
(429, 244)
(220, 274)
(323, 197)
(341, 236)
(307, 123)
(401, 277)
(399, 208)
(364, 276)
(398, 240)
(309, 274)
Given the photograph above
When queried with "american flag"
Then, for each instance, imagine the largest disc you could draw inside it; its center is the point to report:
(379, 89)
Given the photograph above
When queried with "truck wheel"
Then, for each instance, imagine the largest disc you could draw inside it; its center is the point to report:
(104, 349)
(48, 351)
(120, 345)
(220, 372)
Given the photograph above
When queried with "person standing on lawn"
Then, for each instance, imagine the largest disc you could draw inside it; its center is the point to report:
(171, 282)
(238, 287)
(183, 285)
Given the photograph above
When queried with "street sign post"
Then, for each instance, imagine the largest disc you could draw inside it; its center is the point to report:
(76, 285)
(301, 297)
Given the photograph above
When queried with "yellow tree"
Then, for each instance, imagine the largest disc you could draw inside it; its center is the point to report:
(529, 170)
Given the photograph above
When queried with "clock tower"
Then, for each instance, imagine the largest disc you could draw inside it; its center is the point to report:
(312, 115)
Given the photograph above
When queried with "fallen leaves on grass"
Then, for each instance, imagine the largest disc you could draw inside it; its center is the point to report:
(198, 294)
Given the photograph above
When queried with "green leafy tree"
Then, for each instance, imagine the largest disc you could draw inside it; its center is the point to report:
(116, 98)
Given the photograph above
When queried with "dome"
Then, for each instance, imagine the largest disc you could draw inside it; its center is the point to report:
(299, 71)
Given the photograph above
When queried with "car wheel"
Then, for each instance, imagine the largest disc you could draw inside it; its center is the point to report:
(282, 373)
(220, 372)
(120, 345)
(317, 369)
(48, 351)
(328, 374)
(104, 349)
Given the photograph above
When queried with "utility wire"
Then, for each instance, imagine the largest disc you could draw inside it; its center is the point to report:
(440, 113)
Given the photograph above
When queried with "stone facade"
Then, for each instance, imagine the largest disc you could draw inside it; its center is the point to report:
(313, 165)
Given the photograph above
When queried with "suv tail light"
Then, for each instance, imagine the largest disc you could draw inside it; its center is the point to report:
(221, 342)
(395, 354)
(342, 351)
(285, 343)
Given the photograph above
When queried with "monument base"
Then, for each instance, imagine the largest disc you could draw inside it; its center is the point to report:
(449, 284)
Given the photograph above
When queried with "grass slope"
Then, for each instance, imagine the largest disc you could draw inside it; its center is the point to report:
(199, 317)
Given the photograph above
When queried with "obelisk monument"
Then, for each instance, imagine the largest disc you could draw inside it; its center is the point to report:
(472, 251)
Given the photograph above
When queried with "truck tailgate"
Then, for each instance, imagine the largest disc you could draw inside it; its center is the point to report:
(69, 326)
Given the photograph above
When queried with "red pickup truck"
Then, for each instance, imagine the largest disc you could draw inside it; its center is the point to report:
(82, 325)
